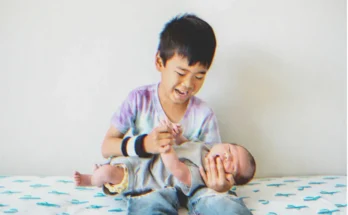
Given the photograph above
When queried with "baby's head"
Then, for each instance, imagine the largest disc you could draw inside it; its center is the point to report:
(236, 160)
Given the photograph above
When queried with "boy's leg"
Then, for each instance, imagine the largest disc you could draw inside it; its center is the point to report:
(208, 202)
(101, 175)
(163, 201)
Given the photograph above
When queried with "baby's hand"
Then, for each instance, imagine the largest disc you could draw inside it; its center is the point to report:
(179, 138)
(176, 131)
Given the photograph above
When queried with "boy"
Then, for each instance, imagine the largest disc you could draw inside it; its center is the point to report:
(175, 168)
(185, 53)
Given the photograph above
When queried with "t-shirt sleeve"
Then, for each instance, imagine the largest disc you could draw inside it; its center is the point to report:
(196, 179)
(123, 119)
(210, 132)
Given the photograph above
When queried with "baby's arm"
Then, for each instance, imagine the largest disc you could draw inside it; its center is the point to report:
(176, 167)
(181, 139)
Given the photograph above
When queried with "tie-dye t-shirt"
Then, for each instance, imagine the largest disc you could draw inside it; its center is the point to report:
(141, 112)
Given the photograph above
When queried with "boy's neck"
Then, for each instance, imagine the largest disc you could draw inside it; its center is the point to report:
(174, 111)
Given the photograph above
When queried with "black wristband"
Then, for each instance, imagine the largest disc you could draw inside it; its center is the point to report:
(124, 146)
(139, 146)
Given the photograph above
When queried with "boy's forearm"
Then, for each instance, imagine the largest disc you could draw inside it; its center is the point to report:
(176, 167)
(112, 147)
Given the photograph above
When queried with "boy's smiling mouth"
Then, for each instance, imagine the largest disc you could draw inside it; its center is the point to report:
(184, 93)
(181, 94)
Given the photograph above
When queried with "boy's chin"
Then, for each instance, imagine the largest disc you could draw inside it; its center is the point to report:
(180, 101)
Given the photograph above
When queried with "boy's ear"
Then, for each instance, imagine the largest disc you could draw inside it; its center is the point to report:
(159, 62)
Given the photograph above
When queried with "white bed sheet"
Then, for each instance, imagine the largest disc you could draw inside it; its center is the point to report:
(271, 196)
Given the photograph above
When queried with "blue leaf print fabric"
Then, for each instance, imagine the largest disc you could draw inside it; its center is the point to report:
(271, 196)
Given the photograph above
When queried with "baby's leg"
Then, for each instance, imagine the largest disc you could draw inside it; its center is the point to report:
(83, 179)
(103, 174)
(107, 174)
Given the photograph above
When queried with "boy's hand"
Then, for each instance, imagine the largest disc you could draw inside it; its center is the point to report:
(215, 178)
(169, 150)
(159, 140)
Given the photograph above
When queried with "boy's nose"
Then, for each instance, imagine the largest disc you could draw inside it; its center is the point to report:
(188, 83)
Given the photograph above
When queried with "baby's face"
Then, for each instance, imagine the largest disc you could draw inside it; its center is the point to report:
(233, 157)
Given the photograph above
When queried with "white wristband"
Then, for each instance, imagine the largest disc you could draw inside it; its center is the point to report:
(131, 147)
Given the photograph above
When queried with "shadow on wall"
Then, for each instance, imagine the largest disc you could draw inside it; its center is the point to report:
(251, 89)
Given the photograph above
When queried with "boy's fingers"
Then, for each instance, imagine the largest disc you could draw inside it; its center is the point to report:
(221, 173)
(220, 169)
(162, 129)
(208, 170)
(163, 136)
(213, 170)
(230, 179)
(165, 142)
(204, 176)
(211, 156)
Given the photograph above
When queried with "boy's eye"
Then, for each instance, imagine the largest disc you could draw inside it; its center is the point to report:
(199, 77)
(181, 74)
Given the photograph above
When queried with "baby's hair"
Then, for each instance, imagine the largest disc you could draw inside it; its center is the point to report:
(189, 37)
(242, 179)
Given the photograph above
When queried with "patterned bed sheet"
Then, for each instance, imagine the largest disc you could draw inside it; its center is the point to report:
(268, 196)
(296, 195)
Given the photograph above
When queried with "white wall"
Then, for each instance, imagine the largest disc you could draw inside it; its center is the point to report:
(278, 82)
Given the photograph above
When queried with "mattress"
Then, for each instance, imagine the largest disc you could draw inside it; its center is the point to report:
(267, 196)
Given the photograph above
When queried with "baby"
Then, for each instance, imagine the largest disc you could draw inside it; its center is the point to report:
(178, 167)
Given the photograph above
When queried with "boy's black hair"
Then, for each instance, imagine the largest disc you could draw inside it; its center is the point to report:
(242, 179)
(190, 37)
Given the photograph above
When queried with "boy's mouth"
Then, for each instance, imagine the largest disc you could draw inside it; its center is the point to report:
(184, 93)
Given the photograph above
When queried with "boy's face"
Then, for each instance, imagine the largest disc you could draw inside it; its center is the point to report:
(234, 158)
(179, 80)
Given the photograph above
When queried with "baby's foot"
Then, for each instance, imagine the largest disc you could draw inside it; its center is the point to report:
(82, 180)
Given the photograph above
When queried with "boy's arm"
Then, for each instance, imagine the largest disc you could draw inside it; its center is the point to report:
(157, 141)
(111, 145)
(176, 167)
(121, 122)
(214, 177)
